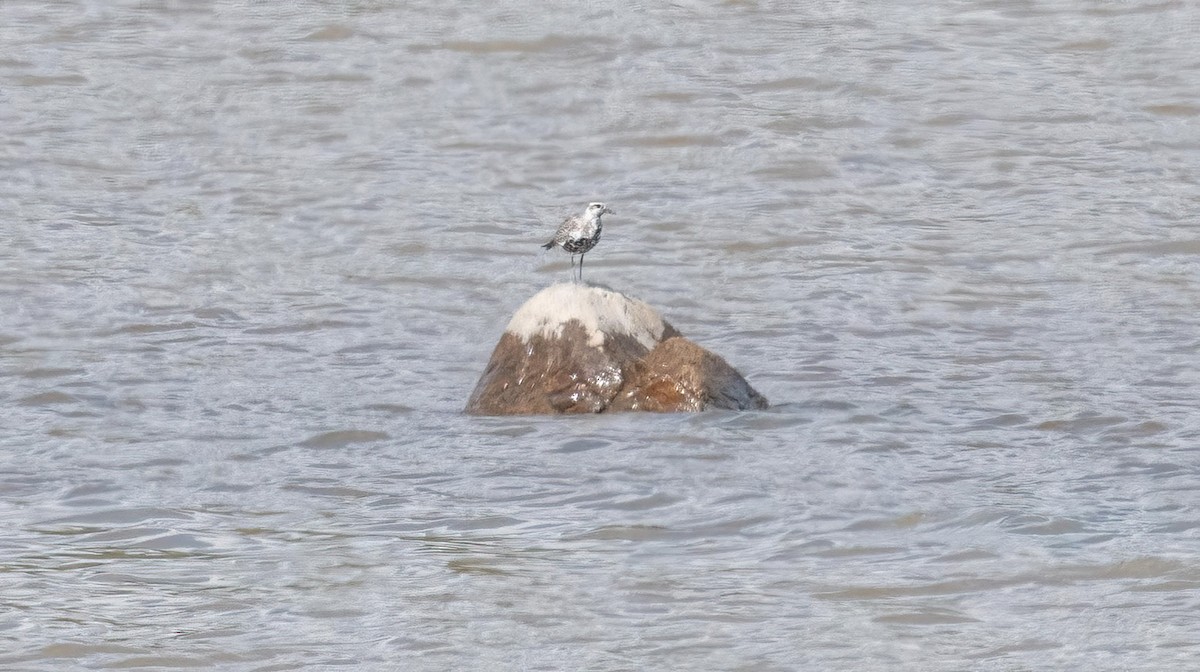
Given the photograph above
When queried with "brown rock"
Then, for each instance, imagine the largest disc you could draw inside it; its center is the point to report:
(679, 375)
(582, 349)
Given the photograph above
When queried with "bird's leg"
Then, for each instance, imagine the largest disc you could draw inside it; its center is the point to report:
(581, 267)
(572, 268)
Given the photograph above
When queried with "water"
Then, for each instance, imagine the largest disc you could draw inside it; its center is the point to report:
(253, 258)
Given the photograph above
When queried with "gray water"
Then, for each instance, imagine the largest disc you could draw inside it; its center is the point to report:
(254, 256)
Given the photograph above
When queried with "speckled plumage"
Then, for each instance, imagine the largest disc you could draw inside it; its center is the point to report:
(578, 234)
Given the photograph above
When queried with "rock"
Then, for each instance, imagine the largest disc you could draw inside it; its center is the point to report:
(679, 375)
(583, 349)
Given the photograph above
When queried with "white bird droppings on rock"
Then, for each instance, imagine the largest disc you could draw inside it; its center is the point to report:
(600, 311)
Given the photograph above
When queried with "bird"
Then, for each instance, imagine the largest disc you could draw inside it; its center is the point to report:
(579, 234)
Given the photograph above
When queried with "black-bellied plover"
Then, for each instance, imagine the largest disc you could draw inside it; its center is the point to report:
(578, 235)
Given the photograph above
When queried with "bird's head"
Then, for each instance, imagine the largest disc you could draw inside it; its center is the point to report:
(597, 209)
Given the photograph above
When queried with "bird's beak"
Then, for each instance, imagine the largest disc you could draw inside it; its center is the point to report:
(608, 211)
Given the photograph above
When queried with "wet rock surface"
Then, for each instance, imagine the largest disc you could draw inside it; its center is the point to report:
(678, 375)
(581, 349)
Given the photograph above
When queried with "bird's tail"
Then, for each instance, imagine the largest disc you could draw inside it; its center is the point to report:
(549, 245)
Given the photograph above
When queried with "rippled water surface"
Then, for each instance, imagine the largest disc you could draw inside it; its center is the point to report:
(253, 257)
